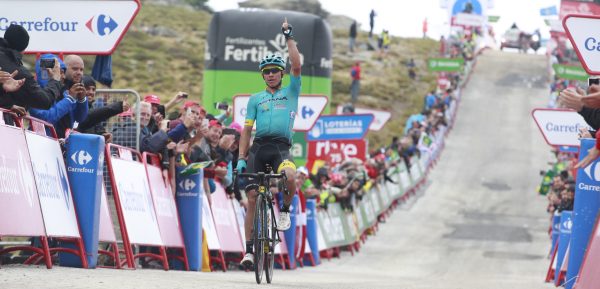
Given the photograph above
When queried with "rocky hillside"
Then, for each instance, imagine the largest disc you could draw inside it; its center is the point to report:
(163, 52)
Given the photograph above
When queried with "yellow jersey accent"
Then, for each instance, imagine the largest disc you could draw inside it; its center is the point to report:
(286, 164)
(249, 122)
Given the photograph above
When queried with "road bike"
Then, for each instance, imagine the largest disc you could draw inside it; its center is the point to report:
(264, 230)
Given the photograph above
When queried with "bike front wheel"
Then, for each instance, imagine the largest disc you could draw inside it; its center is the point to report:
(259, 237)
(271, 242)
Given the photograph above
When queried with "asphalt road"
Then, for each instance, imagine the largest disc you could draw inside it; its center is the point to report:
(477, 223)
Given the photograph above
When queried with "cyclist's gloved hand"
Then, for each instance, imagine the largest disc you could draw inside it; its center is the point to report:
(241, 165)
(287, 32)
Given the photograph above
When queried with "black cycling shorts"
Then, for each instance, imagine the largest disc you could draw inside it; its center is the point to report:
(268, 151)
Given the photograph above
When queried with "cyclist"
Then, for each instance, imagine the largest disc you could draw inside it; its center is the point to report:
(274, 111)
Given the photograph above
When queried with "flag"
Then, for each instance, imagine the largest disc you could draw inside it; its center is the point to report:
(548, 11)
(102, 70)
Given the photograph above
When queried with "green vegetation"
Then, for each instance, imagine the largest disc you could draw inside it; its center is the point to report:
(163, 53)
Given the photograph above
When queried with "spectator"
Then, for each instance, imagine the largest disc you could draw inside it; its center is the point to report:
(371, 22)
(352, 35)
(30, 94)
(97, 114)
(430, 100)
(9, 84)
(305, 184)
(124, 133)
(355, 87)
(194, 108)
(157, 117)
(425, 28)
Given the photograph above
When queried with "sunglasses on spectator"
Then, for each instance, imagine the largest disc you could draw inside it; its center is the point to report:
(273, 70)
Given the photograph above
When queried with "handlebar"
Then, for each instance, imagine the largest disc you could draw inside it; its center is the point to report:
(258, 175)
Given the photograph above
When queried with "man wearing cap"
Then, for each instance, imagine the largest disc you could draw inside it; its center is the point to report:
(273, 110)
(14, 42)
(156, 118)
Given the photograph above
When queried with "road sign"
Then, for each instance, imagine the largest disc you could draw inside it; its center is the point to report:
(582, 31)
(445, 64)
(381, 116)
(570, 72)
(96, 27)
(560, 127)
(340, 127)
(309, 109)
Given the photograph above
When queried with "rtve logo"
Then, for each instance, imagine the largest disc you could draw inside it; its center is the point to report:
(102, 25)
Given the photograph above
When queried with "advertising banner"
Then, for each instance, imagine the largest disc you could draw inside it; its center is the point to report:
(309, 109)
(85, 163)
(136, 202)
(191, 207)
(336, 151)
(340, 127)
(107, 231)
(570, 72)
(585, 211)
(564, 239)
(330, 223)
(381, 116)
(445, 64)
(96, 28)
(53, 187)
(581, 30)
(225, 220)
(18, 194)
(164, 205)
(234, 51)
(560, 127)
(590, 269)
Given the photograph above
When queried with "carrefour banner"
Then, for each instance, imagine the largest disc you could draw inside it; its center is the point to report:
(96, 27)
(585, 211)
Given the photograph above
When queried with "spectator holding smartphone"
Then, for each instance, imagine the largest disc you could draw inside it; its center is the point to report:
(72, 106)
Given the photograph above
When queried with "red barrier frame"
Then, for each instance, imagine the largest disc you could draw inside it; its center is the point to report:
(36, 258)
(150, 159)
(129, 256)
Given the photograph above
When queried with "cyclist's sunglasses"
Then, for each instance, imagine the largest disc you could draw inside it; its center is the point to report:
(273, 70)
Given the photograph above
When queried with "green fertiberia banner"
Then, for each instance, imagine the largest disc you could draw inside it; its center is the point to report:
(570, 72)
(493, 18)
(446, 64)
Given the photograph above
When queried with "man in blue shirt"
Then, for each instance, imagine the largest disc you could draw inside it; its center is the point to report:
(274, 111)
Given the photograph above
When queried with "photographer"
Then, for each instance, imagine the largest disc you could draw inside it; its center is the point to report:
(30, 94)
(73, 106)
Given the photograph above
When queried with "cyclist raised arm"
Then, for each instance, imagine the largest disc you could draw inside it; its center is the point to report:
(273, 110)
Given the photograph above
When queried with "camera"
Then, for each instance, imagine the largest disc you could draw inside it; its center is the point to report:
(47, 63)
(221, 106)
(592, 81)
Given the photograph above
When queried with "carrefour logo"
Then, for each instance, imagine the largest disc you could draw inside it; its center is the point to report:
(567, 226)
(81, 157)
(102, 25)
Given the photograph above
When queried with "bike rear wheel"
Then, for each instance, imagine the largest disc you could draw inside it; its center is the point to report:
(271, 242)
(259, 237)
